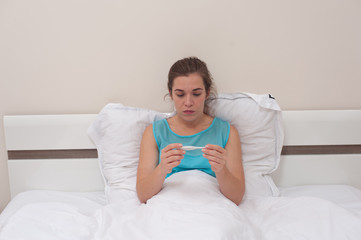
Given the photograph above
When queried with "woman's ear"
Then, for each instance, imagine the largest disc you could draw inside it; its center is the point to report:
(208, 93)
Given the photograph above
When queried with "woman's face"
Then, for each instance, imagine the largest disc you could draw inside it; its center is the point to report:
(189, 94)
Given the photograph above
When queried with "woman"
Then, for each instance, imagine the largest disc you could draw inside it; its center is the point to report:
(161, 154)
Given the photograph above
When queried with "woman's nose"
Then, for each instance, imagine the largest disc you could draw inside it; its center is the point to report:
(188, 101)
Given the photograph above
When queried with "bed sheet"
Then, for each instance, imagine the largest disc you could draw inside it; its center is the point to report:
(43, 214)
(345, 196)
(190, 206)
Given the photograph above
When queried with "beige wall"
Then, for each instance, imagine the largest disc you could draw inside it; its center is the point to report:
(74, 56)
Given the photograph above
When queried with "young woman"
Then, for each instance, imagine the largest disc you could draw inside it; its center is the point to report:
(161, 154)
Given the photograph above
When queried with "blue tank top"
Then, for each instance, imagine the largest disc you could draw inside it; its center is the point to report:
(217, 133)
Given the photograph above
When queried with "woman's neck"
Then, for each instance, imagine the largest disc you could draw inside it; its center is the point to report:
(183, 127)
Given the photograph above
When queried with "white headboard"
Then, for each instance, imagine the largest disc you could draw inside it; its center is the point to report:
(321, 147)
(51, 152)
(54, 151)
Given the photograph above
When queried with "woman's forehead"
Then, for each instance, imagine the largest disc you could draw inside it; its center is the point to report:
(192, 81)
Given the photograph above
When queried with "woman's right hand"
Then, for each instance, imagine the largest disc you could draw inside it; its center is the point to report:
(170, 157)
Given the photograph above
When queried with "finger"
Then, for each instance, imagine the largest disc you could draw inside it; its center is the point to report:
(172, 146)
(215, 160)
(215, 166)
(169, 166)
(171, 153)
(213, 153)
(173, 164)
(173, 159)
(166, 151)
(215, 148)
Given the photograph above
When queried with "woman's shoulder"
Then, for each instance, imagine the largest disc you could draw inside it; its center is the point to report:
(159, 127)
(221, 121)
(155, 125)
(148, 129)
(159, 123)
(233, 134)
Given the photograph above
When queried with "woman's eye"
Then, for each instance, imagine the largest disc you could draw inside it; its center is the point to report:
(180, 95)
(196, 94)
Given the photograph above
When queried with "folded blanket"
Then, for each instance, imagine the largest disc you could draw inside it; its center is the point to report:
(191, 206)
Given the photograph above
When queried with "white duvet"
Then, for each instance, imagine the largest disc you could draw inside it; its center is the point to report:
(189, 206)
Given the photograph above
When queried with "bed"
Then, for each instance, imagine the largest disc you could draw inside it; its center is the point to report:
(72, 176)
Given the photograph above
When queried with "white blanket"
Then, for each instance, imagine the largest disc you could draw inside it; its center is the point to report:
(190, 206)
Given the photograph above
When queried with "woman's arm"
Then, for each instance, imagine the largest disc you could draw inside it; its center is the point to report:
(227, 165)
(151, 175)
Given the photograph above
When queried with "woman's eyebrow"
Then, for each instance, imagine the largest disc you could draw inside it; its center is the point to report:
(196, 89)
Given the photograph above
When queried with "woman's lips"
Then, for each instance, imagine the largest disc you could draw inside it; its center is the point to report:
(188, 111)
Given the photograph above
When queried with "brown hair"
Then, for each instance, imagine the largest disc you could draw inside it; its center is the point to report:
(190, 65)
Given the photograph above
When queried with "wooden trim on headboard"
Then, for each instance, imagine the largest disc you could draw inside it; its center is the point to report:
(321, 149)
(52, 154)
(92, 153)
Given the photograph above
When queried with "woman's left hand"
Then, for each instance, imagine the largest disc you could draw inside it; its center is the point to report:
(217, 157)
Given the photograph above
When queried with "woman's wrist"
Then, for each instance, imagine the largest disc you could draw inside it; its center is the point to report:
(161, 172)
(222, 173)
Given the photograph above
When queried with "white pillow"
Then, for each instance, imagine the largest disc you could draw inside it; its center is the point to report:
(117, 133)
(118, 130)
(259, 123)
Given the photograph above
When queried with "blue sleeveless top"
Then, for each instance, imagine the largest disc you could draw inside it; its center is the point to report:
(217, 133)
